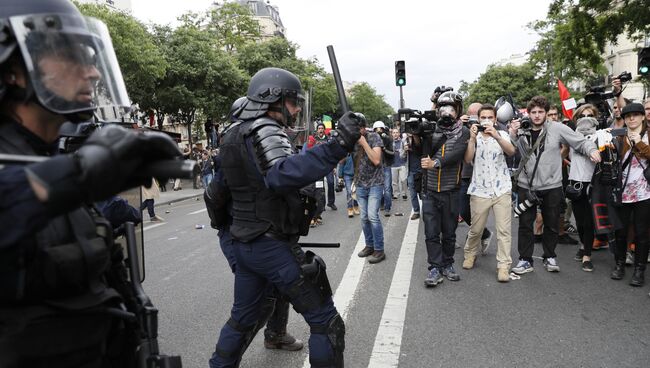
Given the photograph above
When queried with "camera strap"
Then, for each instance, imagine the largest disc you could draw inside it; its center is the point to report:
(524, 160)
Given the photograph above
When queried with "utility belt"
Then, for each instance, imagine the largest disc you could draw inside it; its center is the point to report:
(291, 239)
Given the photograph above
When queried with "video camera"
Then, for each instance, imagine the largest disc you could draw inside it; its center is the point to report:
(418, 123)
(599, 98)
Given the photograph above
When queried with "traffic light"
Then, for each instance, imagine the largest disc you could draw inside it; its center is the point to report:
(644, 62)
(400, 73)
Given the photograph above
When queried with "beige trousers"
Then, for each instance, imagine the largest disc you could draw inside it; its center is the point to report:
(480, 208)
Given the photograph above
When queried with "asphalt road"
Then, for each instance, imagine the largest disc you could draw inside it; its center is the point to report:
(567, 319)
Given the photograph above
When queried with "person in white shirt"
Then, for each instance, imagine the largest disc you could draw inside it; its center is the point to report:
(490, 188)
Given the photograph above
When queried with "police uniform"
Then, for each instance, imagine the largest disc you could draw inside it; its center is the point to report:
(56, 253)
(264, 177)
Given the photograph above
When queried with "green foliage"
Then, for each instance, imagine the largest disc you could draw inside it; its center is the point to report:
(364, 99)
(233, 26)
(140, 58)
(325, 99)
(200, 76)
(575, 33)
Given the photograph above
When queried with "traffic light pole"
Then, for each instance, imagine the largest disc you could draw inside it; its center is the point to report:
(401, 98)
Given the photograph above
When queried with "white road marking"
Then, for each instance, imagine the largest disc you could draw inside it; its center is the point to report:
(349, 283)
(199, 211)
(388, 341)
(154, 226)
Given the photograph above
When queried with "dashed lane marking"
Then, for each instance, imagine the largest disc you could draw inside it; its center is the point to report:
(388, 341)
(199, 211)
(153, 226)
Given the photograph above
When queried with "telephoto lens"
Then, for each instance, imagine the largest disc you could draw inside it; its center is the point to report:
(523, 206)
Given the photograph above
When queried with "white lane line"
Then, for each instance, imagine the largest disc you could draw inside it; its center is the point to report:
(153, 226)
(349, 283)
(388, 341)
(199, 211)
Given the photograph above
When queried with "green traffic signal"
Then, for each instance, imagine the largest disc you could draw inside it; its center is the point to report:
(400, 73)
(401, 81)
(643, 70)
(644, 62)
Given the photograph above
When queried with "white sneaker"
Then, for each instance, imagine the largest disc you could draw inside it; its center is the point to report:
(522, 267)
(551, 265)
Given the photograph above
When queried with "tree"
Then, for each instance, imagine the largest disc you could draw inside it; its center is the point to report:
(364, 99)
(233, 26)
(575, 33)
(325, 99)
(521, 81)
(141, 60)
(200, 76)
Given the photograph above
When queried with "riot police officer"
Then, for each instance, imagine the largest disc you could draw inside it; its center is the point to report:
(264, 178)
(56, 308)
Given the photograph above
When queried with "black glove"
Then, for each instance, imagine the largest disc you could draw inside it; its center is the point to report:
(347, 131)
(112, 160)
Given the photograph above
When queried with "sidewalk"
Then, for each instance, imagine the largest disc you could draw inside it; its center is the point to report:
(171, 196)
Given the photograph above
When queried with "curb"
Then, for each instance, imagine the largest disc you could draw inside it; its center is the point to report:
(183, 198)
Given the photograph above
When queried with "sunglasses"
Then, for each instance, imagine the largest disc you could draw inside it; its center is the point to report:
(586, 116)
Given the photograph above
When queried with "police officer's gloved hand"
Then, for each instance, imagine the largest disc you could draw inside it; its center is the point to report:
(347, 131)
(112, 160)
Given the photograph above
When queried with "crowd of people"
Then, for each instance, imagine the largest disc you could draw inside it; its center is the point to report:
(538, 167)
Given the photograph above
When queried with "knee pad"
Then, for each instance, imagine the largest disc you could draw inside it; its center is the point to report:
(335, 331)
(246, 335)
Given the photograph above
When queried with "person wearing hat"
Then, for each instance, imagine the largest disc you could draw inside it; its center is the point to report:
(634, 155)
(316, 139)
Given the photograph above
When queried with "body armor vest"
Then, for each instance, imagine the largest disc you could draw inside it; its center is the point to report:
(63, 263)
(256, 209)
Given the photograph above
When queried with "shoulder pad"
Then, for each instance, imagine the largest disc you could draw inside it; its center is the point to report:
(270, 142)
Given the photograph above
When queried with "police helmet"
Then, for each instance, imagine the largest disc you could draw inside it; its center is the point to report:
(451, 98)
(237, 108)
(505, 110)
(71, 67)
(378, 124)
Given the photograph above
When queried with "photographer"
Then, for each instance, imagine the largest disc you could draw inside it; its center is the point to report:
(440, 194)
(634, 153)
(388, 157)
(539, 179)
(489, 189)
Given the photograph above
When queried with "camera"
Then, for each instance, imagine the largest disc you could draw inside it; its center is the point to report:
(531, 201)
(473, 119)
(526, 123)
(438, 91)
(481, 128)
(624, 77)
(598, 97)
(418, 123)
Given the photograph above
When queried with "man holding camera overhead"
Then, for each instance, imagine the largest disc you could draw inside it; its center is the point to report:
(539, 179)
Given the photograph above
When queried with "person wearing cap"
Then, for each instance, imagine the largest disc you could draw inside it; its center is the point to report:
(388, 157)
(634, 155)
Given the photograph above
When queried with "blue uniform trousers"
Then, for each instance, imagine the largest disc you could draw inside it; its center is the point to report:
(259, 262)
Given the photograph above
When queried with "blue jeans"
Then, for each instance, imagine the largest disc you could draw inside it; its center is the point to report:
(388, 189)
(348, 191)
(207, 178)
(440, 217)
(260, 262)
(369, 200)
(410, 181)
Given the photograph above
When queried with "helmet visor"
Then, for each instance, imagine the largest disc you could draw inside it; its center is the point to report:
(297, 118)
(71, 63)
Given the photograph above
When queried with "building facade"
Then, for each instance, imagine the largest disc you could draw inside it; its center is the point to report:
(267, 15)
(623, 57)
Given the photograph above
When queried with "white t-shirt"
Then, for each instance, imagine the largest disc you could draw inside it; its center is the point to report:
(637, 188)
(491, 177)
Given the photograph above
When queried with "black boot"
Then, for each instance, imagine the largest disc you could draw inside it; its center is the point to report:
(619, 270)
(637, 276)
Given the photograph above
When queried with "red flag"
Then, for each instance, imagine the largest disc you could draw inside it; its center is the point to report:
(564, 95)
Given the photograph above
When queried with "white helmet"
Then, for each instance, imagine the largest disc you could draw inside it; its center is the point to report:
(378, 124)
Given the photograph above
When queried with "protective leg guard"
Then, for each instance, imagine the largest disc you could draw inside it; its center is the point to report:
(335, 332)
(232, 344)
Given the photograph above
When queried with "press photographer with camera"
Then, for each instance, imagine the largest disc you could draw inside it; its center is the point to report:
(489, 189)
(539, 179)
(634, 206)
(442, 166)
(388, 157)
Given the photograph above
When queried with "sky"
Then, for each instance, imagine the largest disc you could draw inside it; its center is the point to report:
(442, 42)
